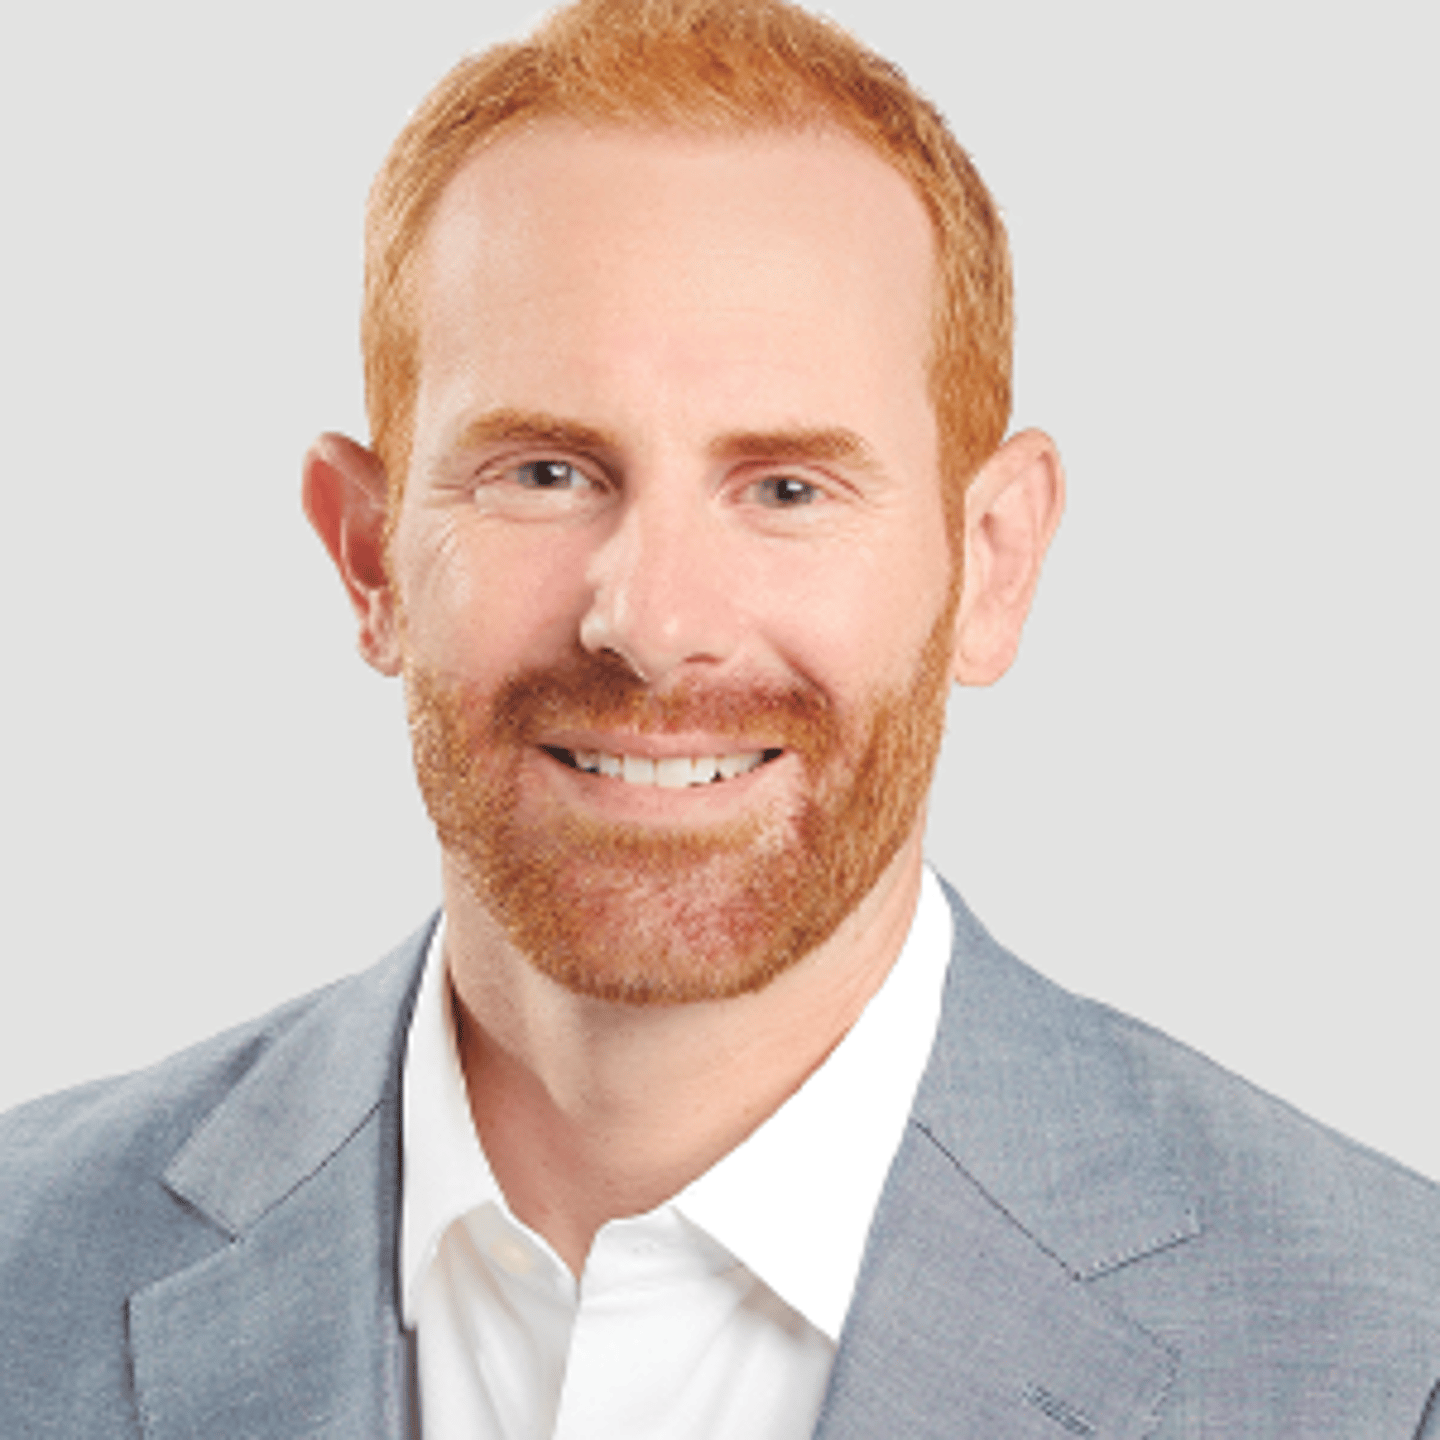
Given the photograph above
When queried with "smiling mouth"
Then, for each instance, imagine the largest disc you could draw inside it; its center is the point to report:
(670, 772)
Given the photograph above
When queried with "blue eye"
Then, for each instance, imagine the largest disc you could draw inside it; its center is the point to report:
(786, 492)
(549, 475)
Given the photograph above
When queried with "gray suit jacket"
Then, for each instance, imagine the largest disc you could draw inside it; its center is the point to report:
(1087, 1231)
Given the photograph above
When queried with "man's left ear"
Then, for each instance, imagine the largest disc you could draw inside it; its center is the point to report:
(345, 496)
(1012, 507)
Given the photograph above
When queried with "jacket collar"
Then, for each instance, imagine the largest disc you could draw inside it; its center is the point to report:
(1031, 1095)
(292, 1326)
(317, 1085)
(1033, 1165)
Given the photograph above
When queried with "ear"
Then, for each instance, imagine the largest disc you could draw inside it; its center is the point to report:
(344, 493)
(1012, 507)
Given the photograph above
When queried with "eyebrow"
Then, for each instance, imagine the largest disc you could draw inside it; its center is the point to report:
(829, 445)
(532, 427)
(823, 445)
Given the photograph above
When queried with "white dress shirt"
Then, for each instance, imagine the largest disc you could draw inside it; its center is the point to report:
(712, 1317)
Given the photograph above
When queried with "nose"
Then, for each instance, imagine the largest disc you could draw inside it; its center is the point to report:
(659, 597)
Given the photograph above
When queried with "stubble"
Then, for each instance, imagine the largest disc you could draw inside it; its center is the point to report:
(632, 913)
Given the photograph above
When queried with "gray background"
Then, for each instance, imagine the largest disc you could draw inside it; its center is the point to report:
(1208, 792)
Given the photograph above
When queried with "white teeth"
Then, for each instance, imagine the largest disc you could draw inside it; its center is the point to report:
(733, 765)
(639, 770)
(672, 772)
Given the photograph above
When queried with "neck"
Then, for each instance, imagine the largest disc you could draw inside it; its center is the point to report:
(590, 1110)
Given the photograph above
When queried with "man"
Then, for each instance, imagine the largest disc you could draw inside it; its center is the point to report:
(687, 497)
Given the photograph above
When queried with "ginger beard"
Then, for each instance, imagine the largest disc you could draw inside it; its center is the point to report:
(643, 915)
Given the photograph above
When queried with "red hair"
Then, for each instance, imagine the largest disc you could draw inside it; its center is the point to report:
(710, 65)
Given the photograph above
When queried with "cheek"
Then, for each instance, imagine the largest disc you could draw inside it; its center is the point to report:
(856, 625)
(475, 593)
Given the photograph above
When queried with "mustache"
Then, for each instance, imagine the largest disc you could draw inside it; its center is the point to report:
(601, 692)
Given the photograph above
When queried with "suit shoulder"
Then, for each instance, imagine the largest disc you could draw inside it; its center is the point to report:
(85, 1138)
(85, 1222)
(1057, 1048)
(1212, 1109)
(1050, 1097)
(88, 1136)
(148, 1113)
(1282, 1278)
(94, 1211)
(1313, 1279)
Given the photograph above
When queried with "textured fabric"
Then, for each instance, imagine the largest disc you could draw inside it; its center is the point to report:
(680, 1312)
(1091, 1230)
(1088, 1231)
(207, 1248)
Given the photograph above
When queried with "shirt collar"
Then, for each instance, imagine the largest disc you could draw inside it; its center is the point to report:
(793, 1201)
(445, 1172)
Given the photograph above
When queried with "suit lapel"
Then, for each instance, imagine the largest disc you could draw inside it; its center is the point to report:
(292, 1328)
(1032, 1165)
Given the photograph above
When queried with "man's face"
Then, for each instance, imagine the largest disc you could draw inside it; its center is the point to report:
(673, 511)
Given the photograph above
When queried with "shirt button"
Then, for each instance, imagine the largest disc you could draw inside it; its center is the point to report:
(512, 1255)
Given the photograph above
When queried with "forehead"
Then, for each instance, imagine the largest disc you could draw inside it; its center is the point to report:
(664, 171)
(674, 248)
